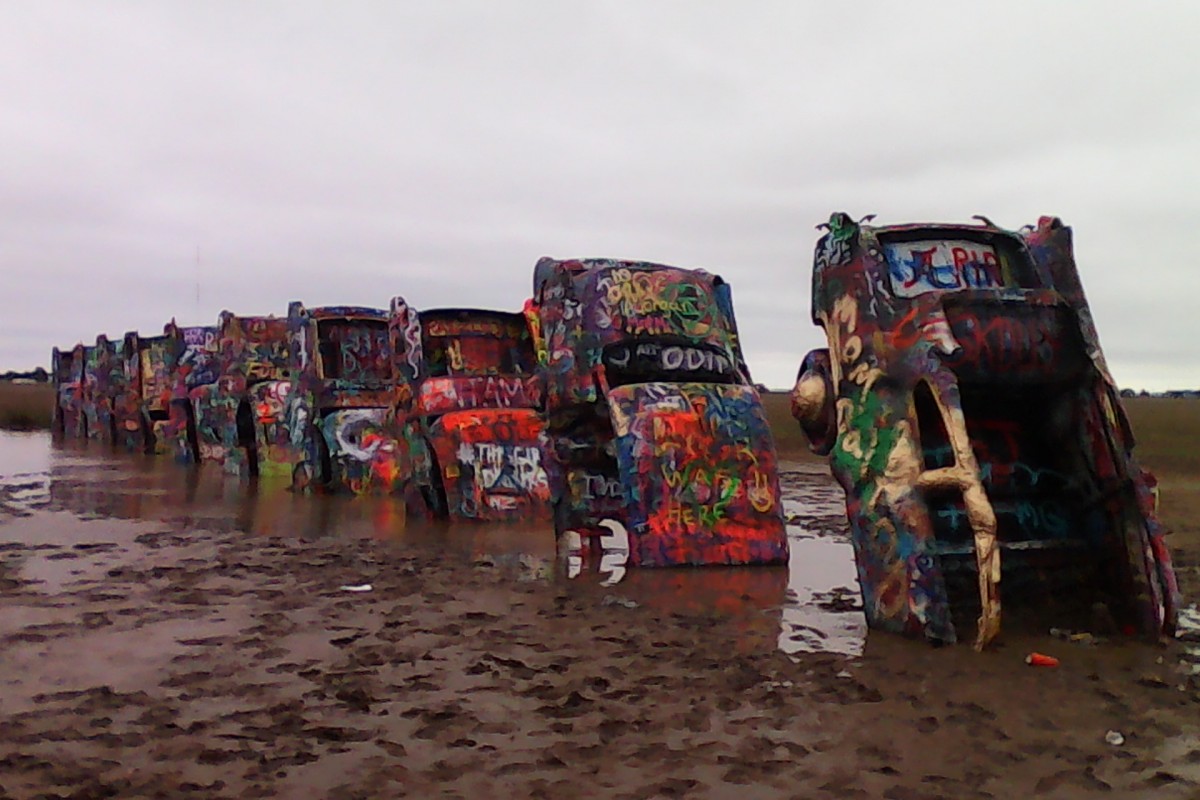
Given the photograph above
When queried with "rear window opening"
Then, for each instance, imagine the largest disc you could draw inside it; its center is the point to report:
(667, 360)
(467, 355)
(925, 261)
(1058, 529)
(354, 350)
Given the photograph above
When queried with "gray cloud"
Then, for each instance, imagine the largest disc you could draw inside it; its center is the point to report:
(350, 152)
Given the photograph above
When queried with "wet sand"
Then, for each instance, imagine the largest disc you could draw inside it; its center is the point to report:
(167, 635)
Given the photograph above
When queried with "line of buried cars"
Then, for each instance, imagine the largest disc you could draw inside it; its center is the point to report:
(963, 401)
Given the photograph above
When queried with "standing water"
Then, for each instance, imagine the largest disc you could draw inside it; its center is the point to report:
(53, 491)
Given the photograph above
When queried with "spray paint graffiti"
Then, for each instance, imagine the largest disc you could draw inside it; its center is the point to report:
(90, 402)
(66, 376)
(939, 266)
(469, 390)
(706, 495)
(341, 411)
(104, 381)
(143, 395)
(651, 414)
(241, 418)
(172, 366)
(967, 412)
(491, 463)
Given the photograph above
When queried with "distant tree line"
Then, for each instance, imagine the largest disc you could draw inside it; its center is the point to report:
(1191, 394)
(38, 375)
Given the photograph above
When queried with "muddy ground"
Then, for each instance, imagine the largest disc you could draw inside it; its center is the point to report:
(166, 634)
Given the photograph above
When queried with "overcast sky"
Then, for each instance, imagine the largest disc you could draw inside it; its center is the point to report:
(347, 152)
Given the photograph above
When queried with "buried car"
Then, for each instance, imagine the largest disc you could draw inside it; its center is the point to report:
(178, 372)
(340, 410)
(66, 375)
(143, 405)
(970, 418)
(154, 412)
(467, 383)
(85, 366)
(241, 417)
(107, 382)
(652, 415)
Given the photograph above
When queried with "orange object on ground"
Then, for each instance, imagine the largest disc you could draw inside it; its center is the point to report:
(1041, 660)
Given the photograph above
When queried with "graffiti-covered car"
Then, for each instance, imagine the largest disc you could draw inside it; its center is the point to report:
(194, 364)
(341, 410)
(154, 414)
(652, 415)
(66, 375)
(86, 365)
(467, 383)
(144, 407)
(968, 413)
(105, 383)
(241, 418)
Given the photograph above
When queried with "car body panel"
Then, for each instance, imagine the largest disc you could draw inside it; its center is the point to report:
(704, 487)
(144, 405)
(106, 382)
(491, 463)
(366, 453)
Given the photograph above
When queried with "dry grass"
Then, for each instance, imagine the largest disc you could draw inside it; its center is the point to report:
(789, 439)
(1168, 433)
(26, 406)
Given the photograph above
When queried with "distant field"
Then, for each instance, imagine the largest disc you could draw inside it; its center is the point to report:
(1168, 438)
(25, 406)
(1167, 433)
(789, 440)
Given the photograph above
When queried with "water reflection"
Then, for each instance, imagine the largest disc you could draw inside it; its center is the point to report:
(810, 605)
(609, 552)
(1188, 633)
(23, 453)
(824, 609)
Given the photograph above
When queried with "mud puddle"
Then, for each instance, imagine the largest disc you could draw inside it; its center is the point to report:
(139, 658)
(60, 500)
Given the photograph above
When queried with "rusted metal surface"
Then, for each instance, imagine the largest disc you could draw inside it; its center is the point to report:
(468, 387)
(652, 416)
(341, 412)
(969, 415)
